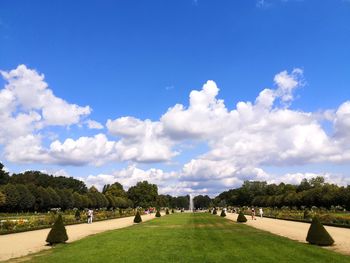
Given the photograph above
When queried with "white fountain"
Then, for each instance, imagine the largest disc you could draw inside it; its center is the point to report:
(191, 203)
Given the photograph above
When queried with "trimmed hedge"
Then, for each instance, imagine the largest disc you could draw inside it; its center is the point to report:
(241, 218)
(158, 214)
(58, 233)
(137, 218)
(318, 235)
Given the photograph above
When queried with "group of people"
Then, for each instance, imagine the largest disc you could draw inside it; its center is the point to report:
(261, 212)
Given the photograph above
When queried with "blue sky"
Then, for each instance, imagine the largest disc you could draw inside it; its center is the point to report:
(140, 58)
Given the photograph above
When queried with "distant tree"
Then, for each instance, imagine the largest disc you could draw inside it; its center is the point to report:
(143, 194)
(2, 199)
(4, 176)
(77, 200)
(12, 197)
(26, 199)
(54, 197)
(201, 201)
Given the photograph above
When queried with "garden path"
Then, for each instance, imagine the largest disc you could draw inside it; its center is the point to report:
(298, 231)
(21, 244)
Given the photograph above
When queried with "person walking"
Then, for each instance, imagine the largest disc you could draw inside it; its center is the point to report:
(261, 212)
(90, 216)
(253, 214)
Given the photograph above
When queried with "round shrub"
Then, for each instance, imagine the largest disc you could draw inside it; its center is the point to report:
(137, 218)
(158, 214)
(167, 211)
(318, 235)
(223, 214)
(58, 233)
(241, 218)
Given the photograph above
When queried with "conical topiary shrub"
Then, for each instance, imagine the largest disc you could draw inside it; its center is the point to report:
(58, 233)
(137, 218)
(158, 214)
(214, 211)
(172, 211)
(167, 211)
(241, 218)
(318, 235)
(223, 214)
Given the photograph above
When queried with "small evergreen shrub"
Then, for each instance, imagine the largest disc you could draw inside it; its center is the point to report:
(318, 235)
(167, 211)
(77, 215)
(137, 218)
(214, 211)
(223, 214)
(58, 233)
(172, 211)
(241, 218)
(158, 214)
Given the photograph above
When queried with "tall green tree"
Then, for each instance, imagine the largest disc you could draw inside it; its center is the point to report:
(143, 194)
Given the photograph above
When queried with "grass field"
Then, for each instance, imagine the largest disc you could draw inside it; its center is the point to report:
(187, 238)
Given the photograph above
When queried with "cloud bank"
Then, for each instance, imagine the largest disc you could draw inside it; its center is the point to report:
(242, 140)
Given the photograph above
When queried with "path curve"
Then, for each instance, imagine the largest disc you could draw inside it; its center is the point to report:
(22, 244)
(298, 231)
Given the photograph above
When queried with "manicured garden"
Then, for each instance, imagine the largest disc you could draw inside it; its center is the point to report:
(187, 237)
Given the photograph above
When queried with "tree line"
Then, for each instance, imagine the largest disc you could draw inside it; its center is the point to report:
(37, 191)
(312, 192)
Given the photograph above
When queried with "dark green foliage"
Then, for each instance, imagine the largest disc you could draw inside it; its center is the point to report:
(137, 218)
(241, 218)
(77, 215)
(214, 211)
(158, 214)
(223, 214)
(167, 211)
(58, 233)
(318, 235)
(172, 211)
(143, 194)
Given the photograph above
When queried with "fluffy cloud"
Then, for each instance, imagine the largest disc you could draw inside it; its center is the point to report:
(27, 91)
(141, 141)
(94, 125)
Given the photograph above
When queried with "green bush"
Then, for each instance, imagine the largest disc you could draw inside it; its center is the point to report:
(318, 235)
(58, 233)
(137, 218)
(167, 211)
(214, 211)
(158, 214)
(223, 214)
(172, 211)
(241, 218)
(77, 215)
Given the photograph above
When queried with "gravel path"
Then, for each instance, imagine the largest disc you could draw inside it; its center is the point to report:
(21, 244)
(298, 231)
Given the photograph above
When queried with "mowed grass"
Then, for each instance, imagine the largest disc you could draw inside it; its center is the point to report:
(199, 237)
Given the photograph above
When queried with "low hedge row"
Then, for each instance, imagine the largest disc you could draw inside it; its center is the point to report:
(6, 232)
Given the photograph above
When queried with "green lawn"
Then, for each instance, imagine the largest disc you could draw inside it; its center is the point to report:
(188, 238)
